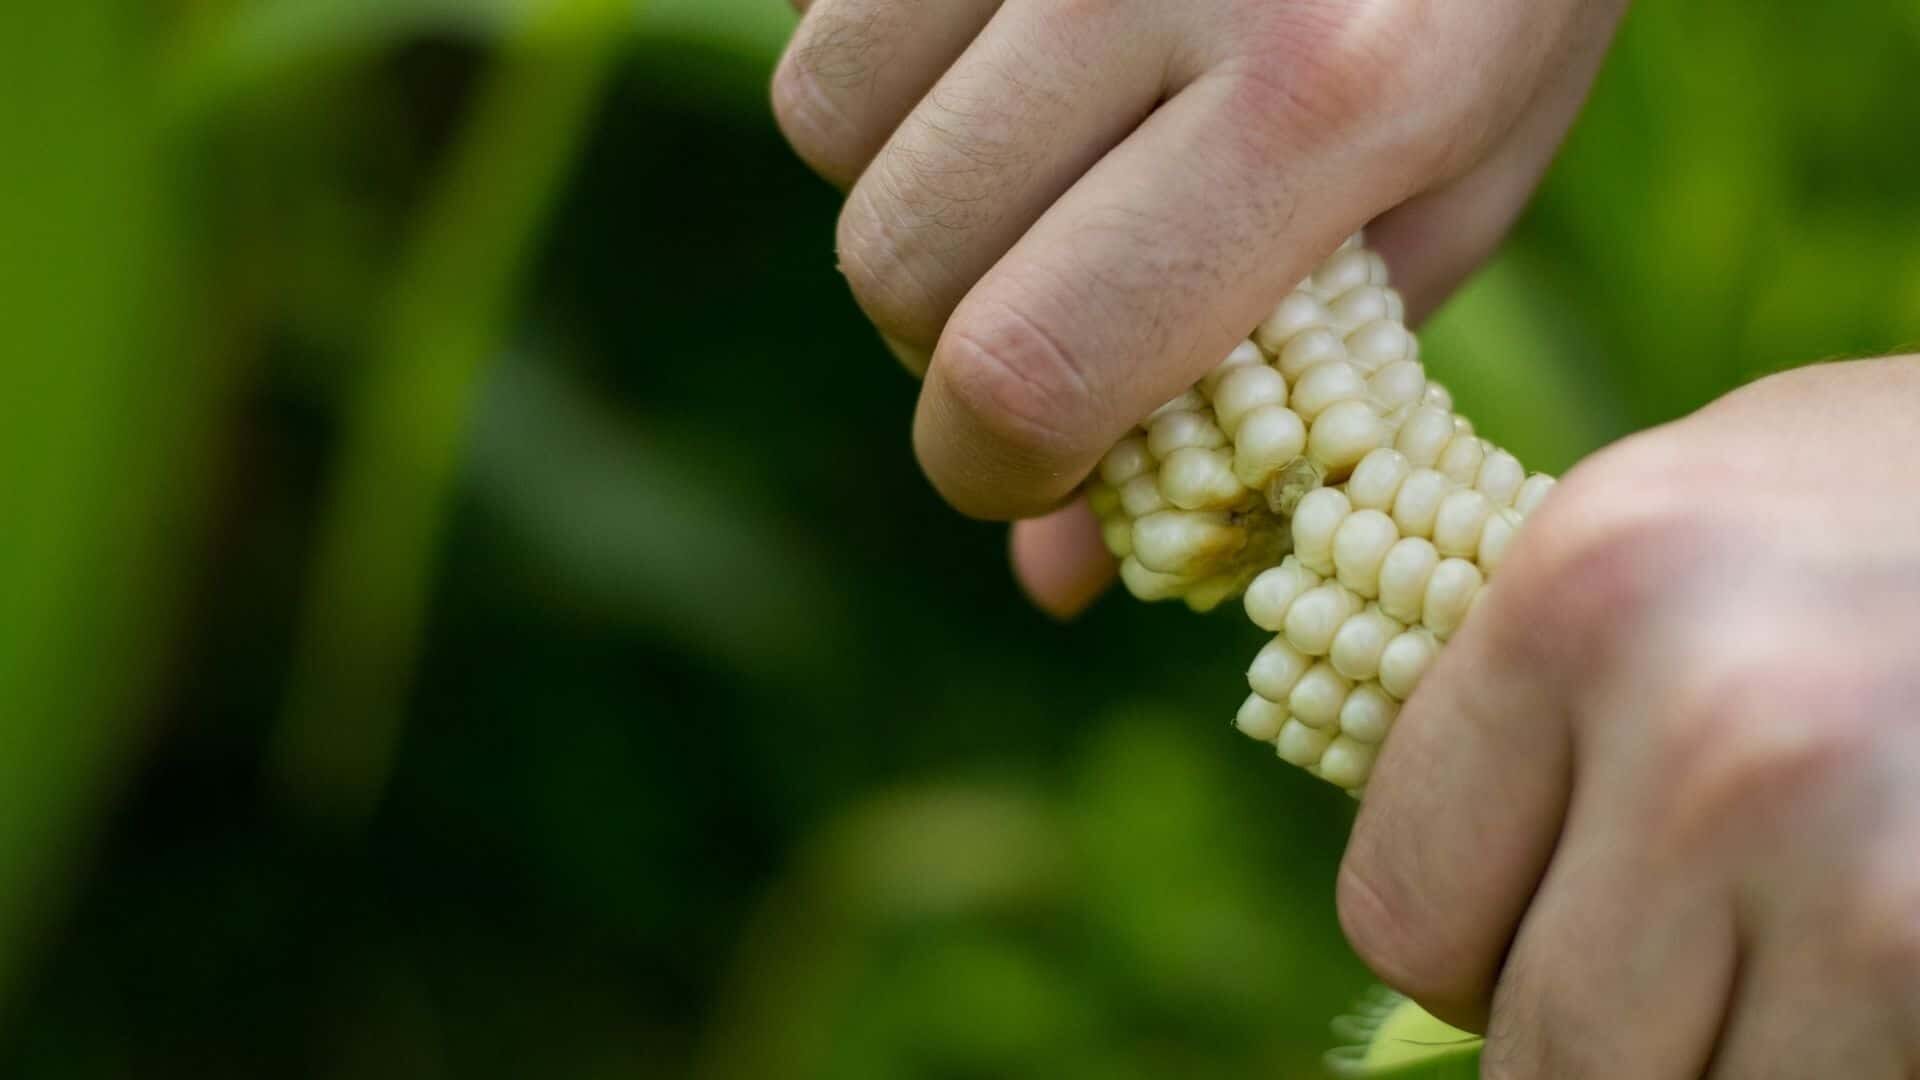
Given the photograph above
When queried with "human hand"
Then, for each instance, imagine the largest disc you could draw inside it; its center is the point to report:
(1655, 811)
(1066, 211)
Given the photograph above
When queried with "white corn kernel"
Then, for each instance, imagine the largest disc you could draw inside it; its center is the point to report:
(1185, 542)
(1320, 513)
(1301, 745)
(1368, 714)
(1357, 307)
(1461, 460)
(1347, 763)
(1425, 435)
(1269, 439)
(1439, 397)
(1379, 343)
(1276, 668)
(1196, 479)
(1314, 618)
(1253, 386)
(1346, 432)
(1403, 577)
(1308, 349)
(1377, 479)
(1260, 719)
(1359, 642)
(1188, 400)
(1324, 386)
(1275, 590)
(1173, 430)
(1405, 660)
(1344, 271)
(1457, 523)
(1298, 313)
(1316, 698)
(1450, 592)
(1418, 501)
(1150, 584)
(1246, 354)
(1398, 384)
(1141, 496)
(1501, 475)
(1127, 459)
(1359, 546)
(1535, 489)
(1495, 539)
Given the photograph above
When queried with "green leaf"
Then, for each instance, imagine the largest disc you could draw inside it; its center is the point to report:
(1393, 1037)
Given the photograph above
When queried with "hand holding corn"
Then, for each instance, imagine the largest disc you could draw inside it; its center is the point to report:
(1653, 810)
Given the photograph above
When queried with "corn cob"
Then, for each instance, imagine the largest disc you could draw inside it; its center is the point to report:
(1318, 472)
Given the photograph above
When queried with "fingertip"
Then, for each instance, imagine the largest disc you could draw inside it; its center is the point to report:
(1060, 561)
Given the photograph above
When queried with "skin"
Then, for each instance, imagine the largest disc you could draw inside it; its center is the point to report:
(1652, 813)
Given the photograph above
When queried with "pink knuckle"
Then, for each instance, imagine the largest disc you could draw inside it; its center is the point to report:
(1746, 743)
(1017, 384)
(881, 275)
(1387, 933)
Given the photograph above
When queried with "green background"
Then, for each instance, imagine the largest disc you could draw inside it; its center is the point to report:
(467, 606)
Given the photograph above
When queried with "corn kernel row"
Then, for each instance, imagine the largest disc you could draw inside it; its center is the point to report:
(1318, 470)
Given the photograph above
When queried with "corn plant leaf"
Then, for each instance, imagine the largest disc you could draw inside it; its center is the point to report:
(1391, 1037)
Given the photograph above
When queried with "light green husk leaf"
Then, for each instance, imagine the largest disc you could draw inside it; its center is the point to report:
(1391, 1037)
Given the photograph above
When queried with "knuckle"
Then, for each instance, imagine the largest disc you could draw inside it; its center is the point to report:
(830, 59)
(880, 274)
(1882, 936)
(1017, 383)
(1322, 71)
(811, 122)
(1602, 557)
(1750, 737)
(1384, 931)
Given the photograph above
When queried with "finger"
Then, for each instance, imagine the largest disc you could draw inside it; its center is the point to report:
(1134, 284)
(1621, 968)
(1798, 1013)
(1464, 808)
(1035, 101)
(1060, 560)
(1434, 240)
(855, 69)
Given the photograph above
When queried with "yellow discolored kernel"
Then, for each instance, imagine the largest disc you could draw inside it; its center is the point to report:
(1185, 542)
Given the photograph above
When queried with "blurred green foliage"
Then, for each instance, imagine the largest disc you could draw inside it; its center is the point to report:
(466, 606)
